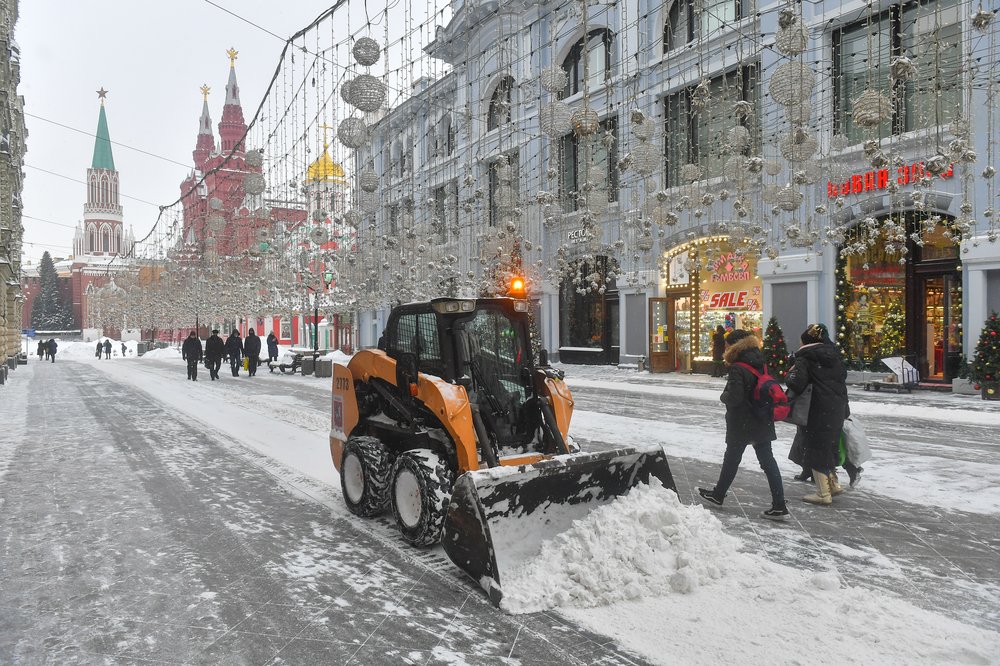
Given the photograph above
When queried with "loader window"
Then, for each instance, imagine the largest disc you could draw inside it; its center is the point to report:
(493, 355)
(418, 334)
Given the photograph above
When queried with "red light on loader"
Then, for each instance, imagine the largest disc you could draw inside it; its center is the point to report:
(517, 289)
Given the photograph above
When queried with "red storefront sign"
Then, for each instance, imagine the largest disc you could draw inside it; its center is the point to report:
(878, 179)
(737, 300)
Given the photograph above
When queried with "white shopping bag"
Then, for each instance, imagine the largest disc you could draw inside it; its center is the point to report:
(856, 441)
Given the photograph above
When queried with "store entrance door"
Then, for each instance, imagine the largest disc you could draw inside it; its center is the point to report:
(670, 334)
(939, 339)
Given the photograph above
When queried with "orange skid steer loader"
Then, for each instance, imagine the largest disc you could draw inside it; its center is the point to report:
(454, 425)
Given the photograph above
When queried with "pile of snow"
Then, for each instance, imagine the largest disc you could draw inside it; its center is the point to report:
(338, 356)
(643, 544)
(163, 352)
(673, 586)
(82, 351)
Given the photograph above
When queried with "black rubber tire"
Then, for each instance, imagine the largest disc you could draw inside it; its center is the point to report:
(434, 481)
(375, 466)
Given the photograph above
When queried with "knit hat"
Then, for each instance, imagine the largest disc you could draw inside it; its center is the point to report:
(737, 335)
(815, 333)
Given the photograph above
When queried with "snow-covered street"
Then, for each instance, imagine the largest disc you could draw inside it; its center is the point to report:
(150, 518)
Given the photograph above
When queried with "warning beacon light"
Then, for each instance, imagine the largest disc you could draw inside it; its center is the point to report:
(517, 289)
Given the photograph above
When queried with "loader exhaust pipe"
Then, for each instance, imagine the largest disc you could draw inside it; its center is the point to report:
(498, 517)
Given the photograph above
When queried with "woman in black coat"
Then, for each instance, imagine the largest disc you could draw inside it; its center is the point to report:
(234, 350)
(818, 362)
(744, 426)
(718, 350)
(251, 349)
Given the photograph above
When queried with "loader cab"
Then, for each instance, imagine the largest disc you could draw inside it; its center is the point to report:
(482, 344)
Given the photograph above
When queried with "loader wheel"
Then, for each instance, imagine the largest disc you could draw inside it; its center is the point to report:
(364, 476)
(421, 488)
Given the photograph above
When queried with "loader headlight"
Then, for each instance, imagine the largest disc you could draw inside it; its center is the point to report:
(452, 307)
(520, 306)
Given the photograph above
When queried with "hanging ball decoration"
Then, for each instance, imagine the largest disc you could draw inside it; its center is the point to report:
(352, 218)
(215, 223)
(254, 184)
(555, 119)
(701, 96)
(838, 142)
(366, 51)
(691, 173)
(792, 82)
(318, 235)
(643, 127)
(585, 121)
(738, 137)
(366, 93)
(798, 146)
(792, 37)
(902, 69)
(646, 159)
(989, 172)
(318, 215)
(368, 179)
(743, 109)
(215, 203)
(554, 79)
(254, 159)
(789, 198)
(369, 203)
(262, 235)
(871, 109)
(735, 170)
(981, 20)
(352, 132)
(938, 164)
(645, 241)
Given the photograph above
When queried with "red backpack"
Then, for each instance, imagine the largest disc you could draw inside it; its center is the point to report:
(768, 401)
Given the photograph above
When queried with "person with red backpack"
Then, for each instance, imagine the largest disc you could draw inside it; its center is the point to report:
(750, 408)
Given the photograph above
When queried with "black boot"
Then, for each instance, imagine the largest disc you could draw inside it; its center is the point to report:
(806, 476)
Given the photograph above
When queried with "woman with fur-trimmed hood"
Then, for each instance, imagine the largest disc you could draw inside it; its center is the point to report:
(743, 426)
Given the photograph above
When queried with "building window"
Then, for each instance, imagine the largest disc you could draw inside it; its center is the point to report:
(930, 35)
(591, 56)
(678, 27)
(500, 104)
(719, 13)
(445, 209)
(601, 167)
(503, 195)
(106, 239)
(697, 137)
(448, 131)
(392, 214)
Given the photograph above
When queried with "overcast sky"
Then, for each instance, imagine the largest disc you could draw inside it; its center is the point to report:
(152, 57)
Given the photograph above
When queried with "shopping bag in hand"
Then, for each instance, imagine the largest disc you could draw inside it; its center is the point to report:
(856, 441)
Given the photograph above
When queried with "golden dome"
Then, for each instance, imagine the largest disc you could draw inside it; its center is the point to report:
(325, 170)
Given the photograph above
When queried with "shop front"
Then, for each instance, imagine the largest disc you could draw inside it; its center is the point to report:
(708, 283)
(904, 305)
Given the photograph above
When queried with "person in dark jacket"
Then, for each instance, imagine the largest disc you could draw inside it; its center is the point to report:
(718, 350)
(272, 347)
(192, 353)
(743, 425)
(100, 348)
(51, 348)
(124, 350)
(818, 362)
(107, 349)
(41, 349)
(234, 350)
(215, 349)
(251, 349)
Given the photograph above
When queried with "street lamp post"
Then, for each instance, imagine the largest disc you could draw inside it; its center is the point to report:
(328, 277)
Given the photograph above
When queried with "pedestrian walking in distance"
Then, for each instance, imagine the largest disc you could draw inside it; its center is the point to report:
(745, 426)
(251, 349)
(41, 349)
(818, 362)
(124, 350)
(192, 353)
(51, 348)
(234, 350)
(718, 351)
(100, 348)
(272, 347)
(215, 349)
(107, 348)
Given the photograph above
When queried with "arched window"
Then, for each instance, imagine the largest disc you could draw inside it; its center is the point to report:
(397, 159)
(500, 104)
(118, 240)
(591, 55)
(678, 27)
(432, 142)
(91, 239)
(105, 238)
(447, 133)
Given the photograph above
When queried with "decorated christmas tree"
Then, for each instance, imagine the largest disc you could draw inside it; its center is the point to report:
(985, 370)
(775, 350)
(844, 328)
(893, 330)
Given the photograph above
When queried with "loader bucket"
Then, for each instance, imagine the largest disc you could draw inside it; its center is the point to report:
(499, 517)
